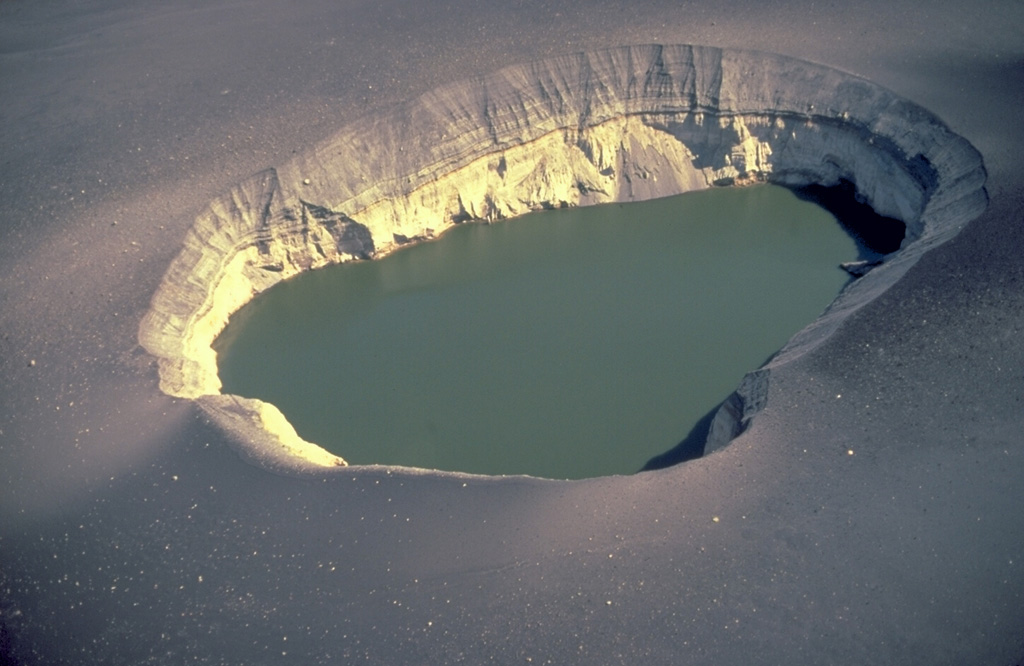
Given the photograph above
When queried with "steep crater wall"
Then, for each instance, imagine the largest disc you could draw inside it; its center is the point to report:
(621, 124)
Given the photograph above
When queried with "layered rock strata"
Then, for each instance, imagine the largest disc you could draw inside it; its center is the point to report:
(623, 124)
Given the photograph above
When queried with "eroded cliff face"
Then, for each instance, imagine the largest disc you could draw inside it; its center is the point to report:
(623, 124)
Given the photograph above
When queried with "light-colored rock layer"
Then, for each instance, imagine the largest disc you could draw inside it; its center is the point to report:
(623, 124)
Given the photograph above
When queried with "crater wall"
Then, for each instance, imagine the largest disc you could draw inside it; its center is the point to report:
(622, 124)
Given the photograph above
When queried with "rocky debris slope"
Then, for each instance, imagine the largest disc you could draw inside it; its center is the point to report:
(623, 124)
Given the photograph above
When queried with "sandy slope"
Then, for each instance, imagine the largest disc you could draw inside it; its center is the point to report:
(132, 532)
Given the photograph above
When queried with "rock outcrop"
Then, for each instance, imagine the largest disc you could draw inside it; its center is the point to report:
(622, 124)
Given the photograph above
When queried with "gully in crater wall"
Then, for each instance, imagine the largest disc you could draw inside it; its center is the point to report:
(622, 124)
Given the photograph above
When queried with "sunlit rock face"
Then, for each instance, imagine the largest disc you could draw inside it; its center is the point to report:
(623, 124)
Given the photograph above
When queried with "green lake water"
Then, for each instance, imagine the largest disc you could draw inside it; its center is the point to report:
(564, 344)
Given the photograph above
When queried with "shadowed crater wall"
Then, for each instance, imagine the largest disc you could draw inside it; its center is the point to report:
(622, 124)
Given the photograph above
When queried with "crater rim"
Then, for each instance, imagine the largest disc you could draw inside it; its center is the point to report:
(542, 134)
